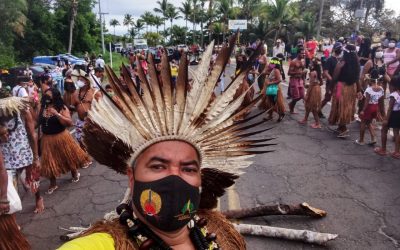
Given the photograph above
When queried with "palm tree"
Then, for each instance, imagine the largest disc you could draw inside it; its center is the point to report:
(148, 18)
(132, 33)
(74, 12)
(113, 23)
(224, 7)
(277, 12)
(158, 21)
(139, 26)
(202, 16)
(128, 20)
(172, 13)
(163, 5)
(195, 9)
(186, 10)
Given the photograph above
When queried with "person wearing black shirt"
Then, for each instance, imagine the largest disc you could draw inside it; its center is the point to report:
(329, 67)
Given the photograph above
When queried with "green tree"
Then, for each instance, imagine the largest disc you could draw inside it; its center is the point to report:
(162, 9)
(278, 12)
(128, 21)
(153, 38)
(148, 18)
(158, 21)
(177, 34)
(172, 13)
(114, 23)
(186, 11)
(139, 26)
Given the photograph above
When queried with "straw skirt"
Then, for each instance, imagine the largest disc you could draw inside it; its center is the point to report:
(313, 98)
(11, 237)
(343, 104)
(277, 103)
(61, 154)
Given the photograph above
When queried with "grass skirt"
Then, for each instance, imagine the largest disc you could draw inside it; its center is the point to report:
(343, 104)
(313, 98)
(277, 103)
(248, 98)
(61, 154)
(11, 237)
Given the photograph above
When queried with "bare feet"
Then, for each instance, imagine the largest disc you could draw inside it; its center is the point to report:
(380, 151)
(395, 155)
(302, 122)
(316, 125)
(39, 206)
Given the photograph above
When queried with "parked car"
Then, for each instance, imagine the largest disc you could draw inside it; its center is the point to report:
(183, 47)
(11, 79)
(60, 60)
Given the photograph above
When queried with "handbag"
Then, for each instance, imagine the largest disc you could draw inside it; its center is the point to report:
(12, 195)
(272, 89)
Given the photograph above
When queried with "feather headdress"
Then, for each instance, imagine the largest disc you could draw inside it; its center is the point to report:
(182, 111)
(10, 106)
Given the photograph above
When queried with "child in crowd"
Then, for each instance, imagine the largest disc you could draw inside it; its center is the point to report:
(313, 96)
(373, 105)
(392, 120)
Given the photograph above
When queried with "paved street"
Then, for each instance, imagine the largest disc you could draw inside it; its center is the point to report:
(357, 188)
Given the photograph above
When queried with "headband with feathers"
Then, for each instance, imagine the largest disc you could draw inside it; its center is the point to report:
(116, 133)
(10, 106)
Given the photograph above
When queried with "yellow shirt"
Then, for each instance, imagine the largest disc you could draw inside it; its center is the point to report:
(174, 71)
(96, 241)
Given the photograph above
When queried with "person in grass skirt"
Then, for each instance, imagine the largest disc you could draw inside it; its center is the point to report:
(313, 96)
(273, 102)
(392, 121)
(347, 90)
(60, 153)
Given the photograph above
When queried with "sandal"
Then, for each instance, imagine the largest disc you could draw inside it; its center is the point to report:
(395, 155)
(51, 190)
(343, 134)
(380, 151)
(76, 179)
(371, 143)
(87, 165)
(359, 143)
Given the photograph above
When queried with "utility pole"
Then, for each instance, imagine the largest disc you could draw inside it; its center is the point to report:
(101, 15)
(321, 9)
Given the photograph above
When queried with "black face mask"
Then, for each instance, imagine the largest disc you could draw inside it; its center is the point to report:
(46, 100)
(167, 204)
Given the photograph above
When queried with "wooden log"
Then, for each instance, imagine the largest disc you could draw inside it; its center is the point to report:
(285, 233)
(281, 209)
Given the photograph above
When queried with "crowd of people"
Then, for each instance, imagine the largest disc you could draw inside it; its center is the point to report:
(36, 141)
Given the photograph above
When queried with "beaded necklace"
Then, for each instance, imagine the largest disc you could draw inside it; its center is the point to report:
(148, 240)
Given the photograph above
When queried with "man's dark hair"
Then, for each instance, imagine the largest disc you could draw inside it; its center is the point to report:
(45, 79)
(98, 70)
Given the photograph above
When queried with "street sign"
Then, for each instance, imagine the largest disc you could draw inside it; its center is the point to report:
(237, 24)
(360, 13)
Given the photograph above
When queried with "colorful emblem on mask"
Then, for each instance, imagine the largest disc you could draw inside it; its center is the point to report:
(186, 211)
(151, 202)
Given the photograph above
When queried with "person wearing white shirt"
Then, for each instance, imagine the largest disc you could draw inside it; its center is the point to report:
(279, 48)
(20, 89)
(100, 62)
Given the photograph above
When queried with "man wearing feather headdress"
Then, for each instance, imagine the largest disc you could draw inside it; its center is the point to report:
(180, 152)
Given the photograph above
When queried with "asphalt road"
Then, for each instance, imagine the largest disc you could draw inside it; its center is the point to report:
(357, 188)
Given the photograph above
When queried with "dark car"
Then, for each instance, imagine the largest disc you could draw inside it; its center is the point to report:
(10, 79)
